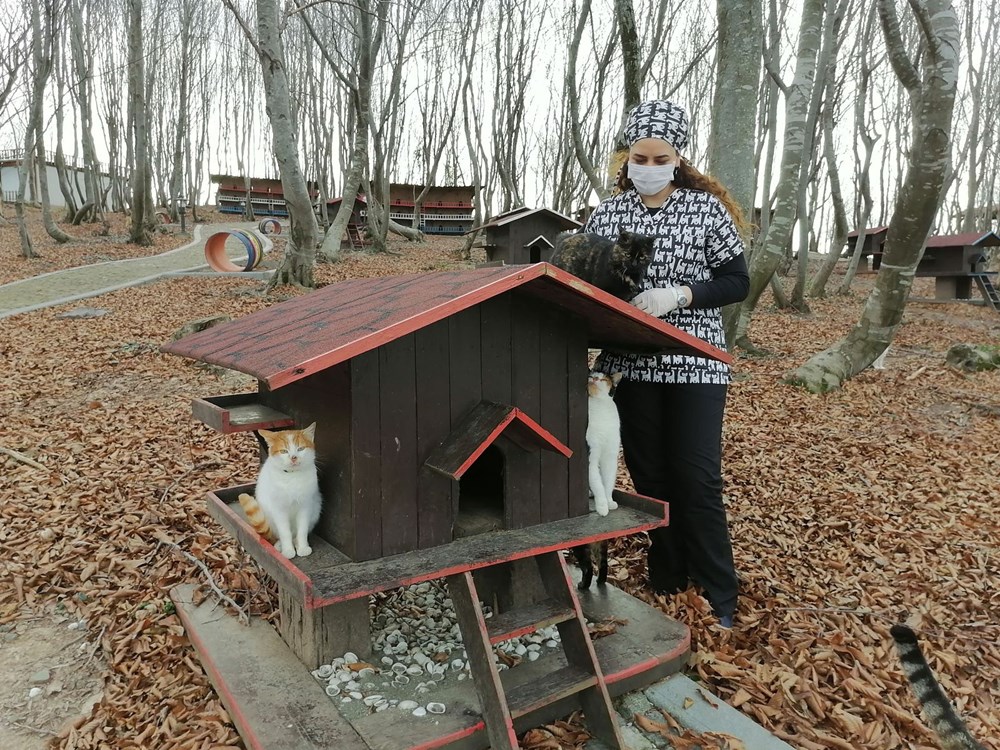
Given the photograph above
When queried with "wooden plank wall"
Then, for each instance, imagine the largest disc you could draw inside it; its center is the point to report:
(398, 445)
(382, 413)
(366, 462)
(464, 365)
(526, 389)
(324, 398)
(577, 369)
(433, 399)
(553, 355)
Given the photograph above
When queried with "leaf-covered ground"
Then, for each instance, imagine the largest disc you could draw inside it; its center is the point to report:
(849, 512)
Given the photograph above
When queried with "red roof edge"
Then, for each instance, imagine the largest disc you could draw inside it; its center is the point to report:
(978, 239)
(478, 431)
(627, 308)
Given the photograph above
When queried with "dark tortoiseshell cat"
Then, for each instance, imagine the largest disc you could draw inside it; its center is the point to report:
(950, 728)
(616, 266)
(584, 556)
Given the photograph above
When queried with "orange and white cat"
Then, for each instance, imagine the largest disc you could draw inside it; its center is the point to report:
(287, 502)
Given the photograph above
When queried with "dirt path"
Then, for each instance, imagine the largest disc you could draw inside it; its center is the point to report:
(81, 282)
(51, 669)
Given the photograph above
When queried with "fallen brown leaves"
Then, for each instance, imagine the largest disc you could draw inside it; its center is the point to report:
(685, 739)
(848, 512)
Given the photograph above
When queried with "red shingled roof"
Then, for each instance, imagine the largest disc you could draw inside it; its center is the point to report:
(870, 231)
(294, 339)
(980, 239)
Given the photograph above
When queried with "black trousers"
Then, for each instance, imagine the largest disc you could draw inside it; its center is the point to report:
(672, 441)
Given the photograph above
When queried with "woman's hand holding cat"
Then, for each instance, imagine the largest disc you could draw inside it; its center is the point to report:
(659, 302)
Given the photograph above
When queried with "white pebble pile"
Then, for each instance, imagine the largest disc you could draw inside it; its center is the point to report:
(416, 647)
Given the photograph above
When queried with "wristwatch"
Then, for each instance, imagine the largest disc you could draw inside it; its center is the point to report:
(682, 298)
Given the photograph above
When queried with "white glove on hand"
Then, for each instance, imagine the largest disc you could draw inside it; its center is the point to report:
(657, 302)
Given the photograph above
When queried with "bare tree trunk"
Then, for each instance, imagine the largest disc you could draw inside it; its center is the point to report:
(515, 45)
(597, 182)
(42, 39)
(142, 189)
(182, 132)
(27, 248)
(971, 218)
(920, 197)
(766, 259)
(84, 67)
(818, 287)
(50, 225)
(830, 41)
(65, 186)
(300, 250)
(865, 201)
(473, 139)
(404, 17)
(631, 53)
(734, 109)
(368, 45)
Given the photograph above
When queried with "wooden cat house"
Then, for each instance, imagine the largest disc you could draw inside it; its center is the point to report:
(524, 235)
(451, 413)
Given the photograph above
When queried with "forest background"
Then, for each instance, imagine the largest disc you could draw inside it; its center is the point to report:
(821, 116)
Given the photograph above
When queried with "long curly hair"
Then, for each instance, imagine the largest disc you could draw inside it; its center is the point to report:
(687, 176)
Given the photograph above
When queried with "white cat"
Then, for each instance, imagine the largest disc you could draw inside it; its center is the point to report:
(288, 501)
(603, 439)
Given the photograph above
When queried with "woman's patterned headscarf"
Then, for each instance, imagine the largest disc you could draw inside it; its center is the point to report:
(658, 118)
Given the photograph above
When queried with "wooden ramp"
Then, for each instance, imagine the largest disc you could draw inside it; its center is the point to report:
(989, 292)
(271, 697)
(257, 675)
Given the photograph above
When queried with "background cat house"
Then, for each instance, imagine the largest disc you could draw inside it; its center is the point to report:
(446, 403)
(524, 235)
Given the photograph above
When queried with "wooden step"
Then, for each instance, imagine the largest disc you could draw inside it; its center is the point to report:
(551, 688)
(526, 620)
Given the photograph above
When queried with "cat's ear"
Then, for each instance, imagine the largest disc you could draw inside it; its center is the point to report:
(624, 238)
(310, 431)
(616, 377)
(268, 436)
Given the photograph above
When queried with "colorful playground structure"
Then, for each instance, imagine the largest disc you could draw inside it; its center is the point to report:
(217, 258)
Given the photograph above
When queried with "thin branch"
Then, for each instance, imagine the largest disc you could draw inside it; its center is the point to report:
(243, 616)
(773, 72)
(247, 31)
(698, 56)
(901, 63)
(24, 459)
(341, 76)
(292, 8)
(924, 20)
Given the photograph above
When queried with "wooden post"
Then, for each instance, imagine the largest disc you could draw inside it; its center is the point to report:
(509, 586)
(317, 636)
(492, 700)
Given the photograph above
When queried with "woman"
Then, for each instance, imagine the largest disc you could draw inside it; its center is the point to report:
(672, 406)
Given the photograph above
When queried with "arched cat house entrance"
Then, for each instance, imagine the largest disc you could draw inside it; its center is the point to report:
(483, 456)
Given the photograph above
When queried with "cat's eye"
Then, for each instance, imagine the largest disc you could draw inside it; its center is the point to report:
(282, 450)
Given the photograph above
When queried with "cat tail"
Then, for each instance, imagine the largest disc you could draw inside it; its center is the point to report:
(945, 722)
(255, 515)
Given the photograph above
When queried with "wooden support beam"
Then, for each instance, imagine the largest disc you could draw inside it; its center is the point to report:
(499, 725)
(317, 636)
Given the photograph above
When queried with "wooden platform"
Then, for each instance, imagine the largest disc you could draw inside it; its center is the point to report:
(277, 705)
(328, 576)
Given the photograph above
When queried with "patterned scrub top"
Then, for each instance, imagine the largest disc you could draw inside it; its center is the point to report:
(694, 234)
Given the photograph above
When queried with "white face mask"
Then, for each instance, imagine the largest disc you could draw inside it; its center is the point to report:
(649, 180)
